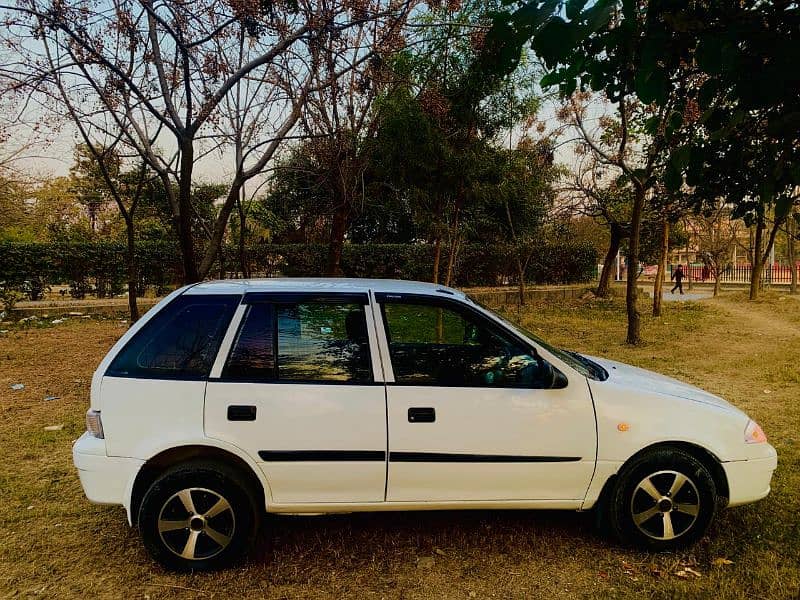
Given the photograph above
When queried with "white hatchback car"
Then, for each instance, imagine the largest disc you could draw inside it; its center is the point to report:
(318, 396)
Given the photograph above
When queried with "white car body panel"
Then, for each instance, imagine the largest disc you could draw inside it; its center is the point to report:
(553, 429)
(154, 412)
(296, 417)
(145, 417)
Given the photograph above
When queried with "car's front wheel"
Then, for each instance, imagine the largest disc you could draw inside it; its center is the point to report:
(663, 500)
(198, 516)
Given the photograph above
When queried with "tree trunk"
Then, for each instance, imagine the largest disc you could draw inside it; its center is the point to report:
(133, 271)
(791, 227)
(521, 277)
(184, 216)
(243, 264)
(716, 282)
(220, 227)
(437, 257)
(658, 285)
(604, 285)
(756, 264)
(773, 234)
(451, 261)
(454, 239)
(632, 291)
(336, 245)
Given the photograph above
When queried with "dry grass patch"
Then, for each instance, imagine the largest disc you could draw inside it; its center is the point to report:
(55, 544)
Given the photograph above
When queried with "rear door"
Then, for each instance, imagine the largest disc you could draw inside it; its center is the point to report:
(473, 414)
(302, 392)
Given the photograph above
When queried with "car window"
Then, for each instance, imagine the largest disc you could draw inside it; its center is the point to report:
(180, 342)
(316, 341)
(582, 364)
(253, 352)
(443, 346)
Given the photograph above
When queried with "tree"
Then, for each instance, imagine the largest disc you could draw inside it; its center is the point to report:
(97, 173)
(716, 233)
(667, 208)
(16, 222)
(630, 149)
(160, 71)
(738, 169)
(740, 136)
(594, 188)
(517, 205)
(616, 48)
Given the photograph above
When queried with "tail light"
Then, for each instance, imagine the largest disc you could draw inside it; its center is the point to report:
(93, 423)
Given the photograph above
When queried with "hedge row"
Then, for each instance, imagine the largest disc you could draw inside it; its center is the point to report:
(91, 267)
(99, 267)
(476, 265)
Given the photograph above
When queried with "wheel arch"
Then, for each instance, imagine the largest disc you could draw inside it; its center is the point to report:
(176, 455)
(705, 456)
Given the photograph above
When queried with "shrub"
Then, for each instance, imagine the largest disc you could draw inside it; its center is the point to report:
(99, 267)
(86, 267)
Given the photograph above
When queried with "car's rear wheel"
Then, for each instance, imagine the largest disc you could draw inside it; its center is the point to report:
(198, 516)
(663, 500)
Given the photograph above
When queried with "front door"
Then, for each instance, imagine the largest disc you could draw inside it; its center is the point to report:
(301, 391)
(475, 413)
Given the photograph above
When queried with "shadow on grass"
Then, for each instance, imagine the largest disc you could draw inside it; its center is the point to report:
(355, 537)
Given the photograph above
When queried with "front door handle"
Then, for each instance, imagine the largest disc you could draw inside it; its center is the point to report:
(421, 415)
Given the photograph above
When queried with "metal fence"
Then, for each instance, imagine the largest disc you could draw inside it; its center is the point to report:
(739, 273)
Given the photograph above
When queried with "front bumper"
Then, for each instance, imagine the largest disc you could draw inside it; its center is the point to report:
(749, 480)
(105, 479)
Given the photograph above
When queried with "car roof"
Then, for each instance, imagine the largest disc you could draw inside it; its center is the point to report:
(320, 284)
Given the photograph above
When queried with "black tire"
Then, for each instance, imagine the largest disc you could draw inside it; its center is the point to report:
(220, 536)
(633, 513)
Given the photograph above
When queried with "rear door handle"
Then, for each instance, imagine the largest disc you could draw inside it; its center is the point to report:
(241, 413)
(421, 415)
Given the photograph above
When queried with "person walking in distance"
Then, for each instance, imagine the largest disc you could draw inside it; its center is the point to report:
(677, 275)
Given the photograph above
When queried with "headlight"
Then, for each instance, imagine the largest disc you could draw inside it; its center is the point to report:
(93, 423)
(753, 434)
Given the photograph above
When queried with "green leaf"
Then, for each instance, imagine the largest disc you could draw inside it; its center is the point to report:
(709, 54)
(708, 93)
(554, 41)
(551, 79)
(672, 178)
(651, 125)
(783, 205)
(675, 120)
(568, 87)
(680, 157)
(653, 50)
(651, 87)
(599, 14)
(574, 8)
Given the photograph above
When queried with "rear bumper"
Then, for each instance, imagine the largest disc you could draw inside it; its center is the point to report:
(105, 479)
(749, 480)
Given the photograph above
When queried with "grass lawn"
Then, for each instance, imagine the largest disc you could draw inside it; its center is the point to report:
(53, 543)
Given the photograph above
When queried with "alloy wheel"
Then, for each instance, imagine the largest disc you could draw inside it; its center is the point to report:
(665, 505)
(196, 523)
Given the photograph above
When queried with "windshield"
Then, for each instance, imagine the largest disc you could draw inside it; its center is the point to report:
(580, 363)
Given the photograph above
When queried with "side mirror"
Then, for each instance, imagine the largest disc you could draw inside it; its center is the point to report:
(560, 380)
(554, 379)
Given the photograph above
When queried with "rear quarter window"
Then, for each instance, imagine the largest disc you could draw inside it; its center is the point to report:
(180, 342)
